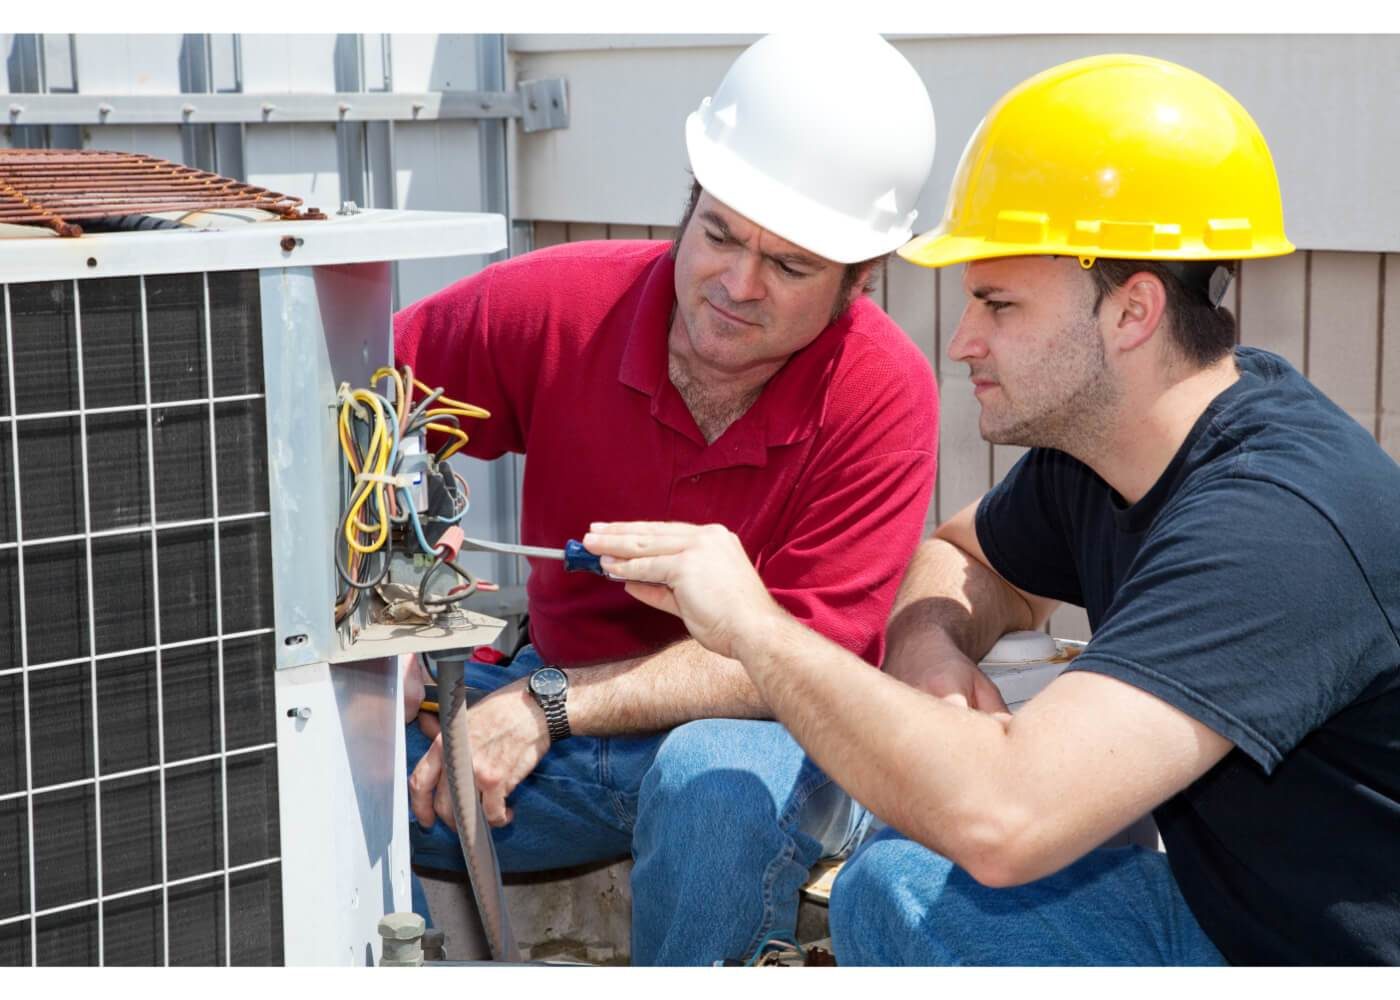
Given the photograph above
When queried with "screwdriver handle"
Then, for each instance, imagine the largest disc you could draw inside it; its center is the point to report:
(577, 559)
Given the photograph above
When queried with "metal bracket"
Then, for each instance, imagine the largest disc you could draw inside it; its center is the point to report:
(540, 104)
(546, 104)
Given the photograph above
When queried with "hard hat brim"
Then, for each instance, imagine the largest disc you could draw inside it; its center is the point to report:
(778, 208)
(938, 249)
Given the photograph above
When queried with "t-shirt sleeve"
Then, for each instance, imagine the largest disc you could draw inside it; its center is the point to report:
(1245, 609)
(466, 340)
(1022, 528)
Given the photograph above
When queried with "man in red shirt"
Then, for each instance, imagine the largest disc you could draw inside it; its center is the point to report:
(738, 376)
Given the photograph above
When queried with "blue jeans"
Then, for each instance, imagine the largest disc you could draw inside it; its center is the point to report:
(723, 819)
(898, 903)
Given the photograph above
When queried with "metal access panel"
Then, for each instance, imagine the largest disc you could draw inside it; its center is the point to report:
(179, 784)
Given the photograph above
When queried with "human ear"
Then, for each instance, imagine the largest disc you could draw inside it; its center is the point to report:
(1141, 302)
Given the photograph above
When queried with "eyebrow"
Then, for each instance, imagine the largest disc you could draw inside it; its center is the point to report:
(987, 291)
(800, 259)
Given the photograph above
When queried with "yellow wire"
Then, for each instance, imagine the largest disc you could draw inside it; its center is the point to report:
(456, 432)
(377, 463)
(468, 409)
(379, 450)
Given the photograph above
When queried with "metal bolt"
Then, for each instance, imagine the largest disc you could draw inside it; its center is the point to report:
(434, 945)
(343, 106)
(104, 109)
(403, 935)
(16, 110)
(302, 712)
(92, 262)
(187, 109)
(268, 107)
(288, 243)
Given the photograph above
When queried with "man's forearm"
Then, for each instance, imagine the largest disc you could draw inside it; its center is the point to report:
(661, 690)
(934, 609)
(929, 769)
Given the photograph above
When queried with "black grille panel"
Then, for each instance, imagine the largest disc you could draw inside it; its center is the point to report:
(136, 645)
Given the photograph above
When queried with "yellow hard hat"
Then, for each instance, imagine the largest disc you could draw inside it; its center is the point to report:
(1116, 156)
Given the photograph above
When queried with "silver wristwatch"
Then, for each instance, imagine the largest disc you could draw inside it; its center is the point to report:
(550, 686)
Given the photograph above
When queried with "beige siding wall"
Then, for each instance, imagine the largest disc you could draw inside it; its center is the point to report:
(1326, 312)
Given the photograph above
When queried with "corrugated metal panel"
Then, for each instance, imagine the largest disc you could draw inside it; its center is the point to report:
(302, 160)
(129, 64)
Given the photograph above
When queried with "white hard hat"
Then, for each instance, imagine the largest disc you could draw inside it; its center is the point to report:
(823, 140)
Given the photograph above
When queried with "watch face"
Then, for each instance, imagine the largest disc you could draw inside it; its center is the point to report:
(548, 682)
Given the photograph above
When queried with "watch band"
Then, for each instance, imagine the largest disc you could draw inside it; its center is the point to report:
(550, 696)
(557, 718)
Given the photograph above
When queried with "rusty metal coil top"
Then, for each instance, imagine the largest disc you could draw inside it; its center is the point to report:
(59, 188)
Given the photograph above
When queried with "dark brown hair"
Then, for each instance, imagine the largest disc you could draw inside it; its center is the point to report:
(1201, 331)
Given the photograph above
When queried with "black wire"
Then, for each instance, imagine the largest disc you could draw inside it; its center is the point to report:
(445, 602)
(418, 410)
(447, 418)
(386, 553)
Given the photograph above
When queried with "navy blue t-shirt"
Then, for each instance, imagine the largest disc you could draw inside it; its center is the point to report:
(1256, 587)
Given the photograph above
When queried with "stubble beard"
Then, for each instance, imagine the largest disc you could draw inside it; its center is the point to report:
(1071, 406)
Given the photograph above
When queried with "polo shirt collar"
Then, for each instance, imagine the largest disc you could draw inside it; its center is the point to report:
(790, 408)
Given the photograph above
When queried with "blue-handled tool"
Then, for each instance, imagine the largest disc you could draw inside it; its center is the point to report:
(575, 557)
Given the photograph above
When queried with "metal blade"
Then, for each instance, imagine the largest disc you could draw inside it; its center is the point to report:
(531, 551)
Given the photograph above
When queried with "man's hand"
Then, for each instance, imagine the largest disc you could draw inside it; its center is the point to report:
(699, 573)
(508, 736)
(415, 680)
(953, 677)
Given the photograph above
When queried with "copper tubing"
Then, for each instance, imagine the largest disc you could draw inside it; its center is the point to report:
(55, 187)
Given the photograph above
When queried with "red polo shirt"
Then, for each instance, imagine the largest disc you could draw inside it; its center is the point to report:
(826, 479)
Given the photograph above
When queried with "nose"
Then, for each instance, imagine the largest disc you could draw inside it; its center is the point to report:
(967, 344)
(743, 280)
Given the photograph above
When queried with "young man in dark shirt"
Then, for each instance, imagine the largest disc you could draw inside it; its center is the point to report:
(1231, 532)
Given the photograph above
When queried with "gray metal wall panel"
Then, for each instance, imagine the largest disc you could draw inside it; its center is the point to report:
(1326, 104)
(128, 64)
(289, 63)
(622, 158)
(300, 160)
(437, 166)
(154, 140)
(433, 62)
